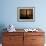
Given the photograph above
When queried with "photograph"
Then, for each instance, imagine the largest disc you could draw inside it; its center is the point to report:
(25, 14)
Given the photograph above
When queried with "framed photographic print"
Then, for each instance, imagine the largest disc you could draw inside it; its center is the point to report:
(26, 14)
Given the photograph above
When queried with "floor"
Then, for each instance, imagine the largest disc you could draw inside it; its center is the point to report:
(0, 44)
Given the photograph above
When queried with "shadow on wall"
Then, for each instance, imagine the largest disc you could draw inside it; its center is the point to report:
(2, 27)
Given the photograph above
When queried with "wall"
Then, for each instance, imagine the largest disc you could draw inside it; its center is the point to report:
(9, 13)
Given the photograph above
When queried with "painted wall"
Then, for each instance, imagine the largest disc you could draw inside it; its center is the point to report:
(9, 13)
